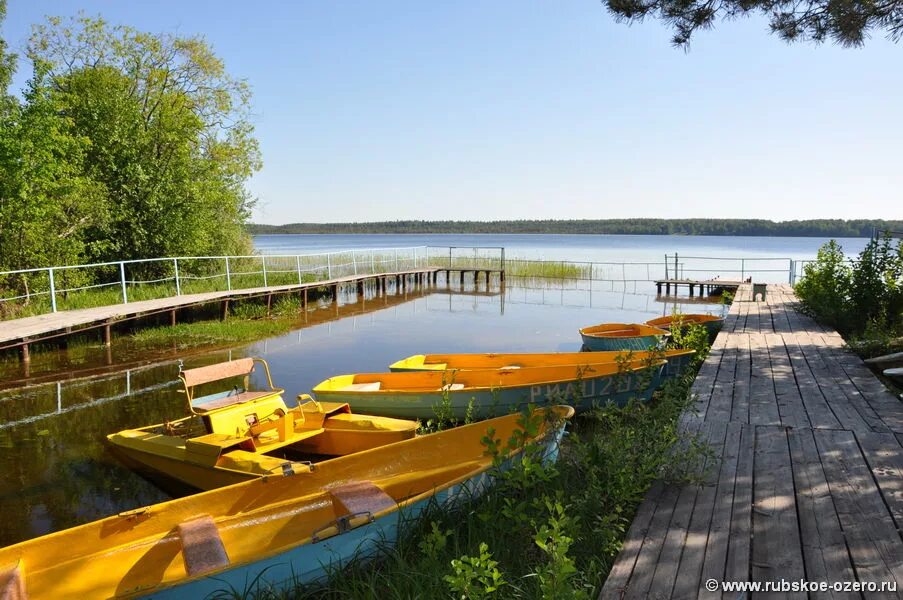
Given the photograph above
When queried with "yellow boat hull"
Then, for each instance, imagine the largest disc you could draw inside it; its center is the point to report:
(270, 530)
(215, 460)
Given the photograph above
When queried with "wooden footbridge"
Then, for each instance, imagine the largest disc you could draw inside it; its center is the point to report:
(806, 482)
(21, 333)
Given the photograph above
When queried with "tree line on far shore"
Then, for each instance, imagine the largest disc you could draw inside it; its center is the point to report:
(734, 227)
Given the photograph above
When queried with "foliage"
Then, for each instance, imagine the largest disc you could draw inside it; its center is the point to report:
(737, 227)
(126, 145)
(847, 23)
(475, 577)
(825, 285)
(862, 298)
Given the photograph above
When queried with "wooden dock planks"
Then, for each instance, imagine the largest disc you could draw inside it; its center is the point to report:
(809, 476)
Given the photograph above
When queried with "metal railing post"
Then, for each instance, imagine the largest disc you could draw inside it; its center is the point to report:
(742, 269)
(125, 295)
(228, 276)
(676, 270)
(263, 260)
(298, 265)
(372, 263)
(175, 264)
(396, 259)
(354, 262)
(666, 266)
(328, 266)
(52, 290)
(790, 271)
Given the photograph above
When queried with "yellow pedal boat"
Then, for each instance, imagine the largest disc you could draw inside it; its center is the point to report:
(271, 534)
(237, 435)
(677, 360)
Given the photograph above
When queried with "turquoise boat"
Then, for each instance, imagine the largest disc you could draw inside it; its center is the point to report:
(623, 336)
(485, 393)
(272, 534)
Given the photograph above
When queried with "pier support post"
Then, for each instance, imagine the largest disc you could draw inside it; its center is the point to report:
(269, 303)
(107, 336)
(172, 318)
(224, 310)
(24, 353)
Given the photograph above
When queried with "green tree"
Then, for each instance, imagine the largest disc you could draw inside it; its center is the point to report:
(170, 137)
(847, 22)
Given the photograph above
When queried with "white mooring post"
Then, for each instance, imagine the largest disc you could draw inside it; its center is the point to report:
(228, 276)
(125, 295)
(52, 290)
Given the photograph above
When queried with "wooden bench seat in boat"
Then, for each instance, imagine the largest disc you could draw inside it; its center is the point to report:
(202, 547)
(362, 387)
(360, 497)
(205, 407)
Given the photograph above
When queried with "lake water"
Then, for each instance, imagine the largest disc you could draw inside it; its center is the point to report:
(601, 248)
(56, 472)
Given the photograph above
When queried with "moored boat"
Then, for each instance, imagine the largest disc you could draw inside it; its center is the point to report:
(242, 434)
(677, 359)
(270, 533)
(483, 393)
(888, 361)
(712, 323)
(622, 336)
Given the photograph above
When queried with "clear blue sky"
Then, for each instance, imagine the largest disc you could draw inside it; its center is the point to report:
(374, 110)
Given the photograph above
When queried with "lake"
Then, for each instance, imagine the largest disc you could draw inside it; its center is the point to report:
(57, 471)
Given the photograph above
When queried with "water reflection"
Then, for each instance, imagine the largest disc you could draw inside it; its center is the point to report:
(57, 471)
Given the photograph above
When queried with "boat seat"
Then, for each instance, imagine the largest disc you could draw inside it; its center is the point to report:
(205, 407)
(361, 387)
(202, 546)
(451, 387)
(360, 497)
(12, 582)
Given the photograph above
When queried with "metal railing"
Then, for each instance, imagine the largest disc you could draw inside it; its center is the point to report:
(50, 289)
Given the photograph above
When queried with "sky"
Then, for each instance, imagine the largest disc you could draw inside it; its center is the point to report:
(382, 110)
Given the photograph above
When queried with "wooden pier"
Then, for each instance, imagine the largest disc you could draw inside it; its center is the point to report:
(807, 481)
(21, 333)
(706, 286)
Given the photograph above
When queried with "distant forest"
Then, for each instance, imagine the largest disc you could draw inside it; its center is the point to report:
(745, 227)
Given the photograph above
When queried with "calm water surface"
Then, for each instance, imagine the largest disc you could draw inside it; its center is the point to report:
(55, 470)
(568, 247)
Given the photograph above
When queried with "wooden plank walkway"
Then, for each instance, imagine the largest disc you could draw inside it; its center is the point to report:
(18, 332)
(808, 481)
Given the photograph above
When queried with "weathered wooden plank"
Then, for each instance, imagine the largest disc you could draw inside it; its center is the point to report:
(715, 559)
(787, 393)
(824, 546)
(817, 407)
(742, 376)
(642, 577)
(776, 549)
(622, 569)
(763, 405)
(723, 391)
(738, 566)
(691, 561)
(872, 538)
(884, 455)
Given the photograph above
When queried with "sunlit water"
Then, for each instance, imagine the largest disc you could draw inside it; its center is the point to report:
(56, 472)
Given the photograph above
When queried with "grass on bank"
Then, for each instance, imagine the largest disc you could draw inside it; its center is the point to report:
(549, 531)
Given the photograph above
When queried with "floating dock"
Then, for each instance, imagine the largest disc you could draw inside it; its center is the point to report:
(806, 478)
